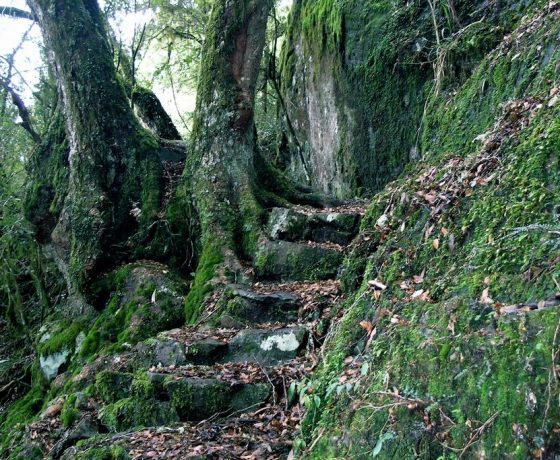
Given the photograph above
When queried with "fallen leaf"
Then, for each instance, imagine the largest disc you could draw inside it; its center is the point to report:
(436, 244)
(367, 325)
(419, 279)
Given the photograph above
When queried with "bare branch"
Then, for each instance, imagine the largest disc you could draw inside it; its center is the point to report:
(22, 111)
(16, 13)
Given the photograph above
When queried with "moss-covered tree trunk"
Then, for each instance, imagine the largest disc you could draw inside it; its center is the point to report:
(220, 171)
(114, 169)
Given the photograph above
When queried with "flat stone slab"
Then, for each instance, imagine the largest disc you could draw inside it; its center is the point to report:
(245, 307)
(287, 261)
(266, 346)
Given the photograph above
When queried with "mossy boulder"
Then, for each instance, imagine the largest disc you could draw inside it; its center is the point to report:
(161, 352)
(205, 351)
(145, 299)
(57, 342)
(199, 399)
(322, 227)
(112, 386)
(286, 261)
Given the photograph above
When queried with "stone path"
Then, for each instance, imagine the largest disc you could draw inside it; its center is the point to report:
(225, 389)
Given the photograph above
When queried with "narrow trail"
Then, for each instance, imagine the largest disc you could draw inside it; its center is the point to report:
(225, 388)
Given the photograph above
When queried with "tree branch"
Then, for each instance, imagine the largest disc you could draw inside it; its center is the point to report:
(22, 111)
(16, 13)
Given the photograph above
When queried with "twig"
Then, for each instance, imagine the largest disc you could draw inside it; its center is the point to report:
(477, 433)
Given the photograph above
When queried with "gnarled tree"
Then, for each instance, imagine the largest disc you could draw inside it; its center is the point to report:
(114, 169)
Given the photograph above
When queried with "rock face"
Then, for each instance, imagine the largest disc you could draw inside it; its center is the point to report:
(245, 307)
(323, 227)
(354, 106)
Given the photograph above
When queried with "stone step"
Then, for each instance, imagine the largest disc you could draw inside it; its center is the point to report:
(321, 227)
(287, 261)
(164, 398)
(266, 346)
(197, 399)
(263, 346)
(240, 306)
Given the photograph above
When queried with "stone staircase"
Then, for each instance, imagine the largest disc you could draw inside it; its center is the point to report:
(199, 384)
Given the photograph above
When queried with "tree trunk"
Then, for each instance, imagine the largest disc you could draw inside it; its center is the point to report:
(220, 172)
(115, 173)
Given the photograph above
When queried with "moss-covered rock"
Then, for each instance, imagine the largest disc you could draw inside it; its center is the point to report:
(446, 370)
(133, 412)
(239, 305)
(145, 299)
(296, 262)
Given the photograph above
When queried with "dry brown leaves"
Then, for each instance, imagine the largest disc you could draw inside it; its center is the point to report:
(258, 435)
(234, 373)
(349, 207)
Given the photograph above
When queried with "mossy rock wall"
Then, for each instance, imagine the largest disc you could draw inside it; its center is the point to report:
(357, 75)
(434, 367)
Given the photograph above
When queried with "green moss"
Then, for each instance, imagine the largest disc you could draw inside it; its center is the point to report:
(453, 352)
(136, 413)
(63, 336)
(210, 259)
(140, 317)
(198, 399)
(20, 413)
(102, 453)
(111, 386)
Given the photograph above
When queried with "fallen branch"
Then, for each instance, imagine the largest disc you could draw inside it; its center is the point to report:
(530, 307)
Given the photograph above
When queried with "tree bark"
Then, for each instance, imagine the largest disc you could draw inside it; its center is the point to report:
(115, 173)
(221, 163)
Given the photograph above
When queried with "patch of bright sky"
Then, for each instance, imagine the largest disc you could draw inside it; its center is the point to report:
(27, 61)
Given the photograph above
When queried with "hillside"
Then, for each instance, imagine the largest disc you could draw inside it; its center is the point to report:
(368, 269)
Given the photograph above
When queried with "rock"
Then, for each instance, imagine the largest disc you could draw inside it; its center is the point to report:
(248, 307)
(282, 260)
(206, 351)
(198, 399)
(86, 428)
(50, 365)
(266, 346)
(136, 412)
(247, 397)
(286, 224)
(169, 353)
(324, 227)
(61, 380)
(112, 386)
